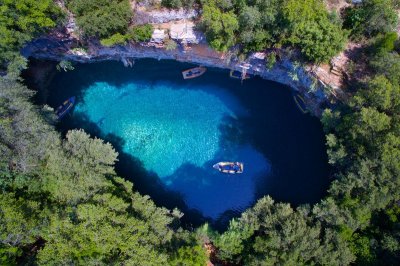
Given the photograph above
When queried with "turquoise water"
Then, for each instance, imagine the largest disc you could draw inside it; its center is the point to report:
(169, 132)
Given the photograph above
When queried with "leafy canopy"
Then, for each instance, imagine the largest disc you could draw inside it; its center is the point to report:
(101, 18)
(21, 20)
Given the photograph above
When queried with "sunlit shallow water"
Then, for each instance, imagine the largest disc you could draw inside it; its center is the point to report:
(170, 132)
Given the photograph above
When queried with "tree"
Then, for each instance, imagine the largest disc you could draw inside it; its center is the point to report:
(140, 33)
(380, 16)
(61, 201)
(310, 28)
(381, 94)
(21, 20)
(220, 27)
(101, 18)
(386, 43)
(21, 222)
(320, 41)
(387, 64)
(371, 18)
(231, 243)
(115, 39)
(103, 231)
(281, 236)
(188, 255)
(177, 3)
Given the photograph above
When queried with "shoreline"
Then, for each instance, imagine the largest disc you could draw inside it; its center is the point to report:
(284, 71)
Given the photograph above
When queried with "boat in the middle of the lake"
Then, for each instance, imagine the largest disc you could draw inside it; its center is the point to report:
(194, 72)
(229, 167)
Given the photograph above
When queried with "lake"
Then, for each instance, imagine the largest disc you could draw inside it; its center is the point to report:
(169, 132)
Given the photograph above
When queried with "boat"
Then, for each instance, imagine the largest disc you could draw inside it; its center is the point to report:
(194, 72)
(229, 167)
(301, 104)
(236, 74)
(66, 106)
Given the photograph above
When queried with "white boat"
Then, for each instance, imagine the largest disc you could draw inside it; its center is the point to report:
(193, 72)
(229, 167)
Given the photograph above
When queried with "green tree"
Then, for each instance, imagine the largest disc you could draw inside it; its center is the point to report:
(371, 18)
(61, 201)
(380, 16)
(140, 33)
(21, 223)
(387, 64)
(281, 236)
(115, 39)
(101, 18)
(188, 255)
(310, 28)
(21, 20)
(220, 27)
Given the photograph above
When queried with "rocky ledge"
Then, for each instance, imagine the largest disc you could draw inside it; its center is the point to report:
(299, 78)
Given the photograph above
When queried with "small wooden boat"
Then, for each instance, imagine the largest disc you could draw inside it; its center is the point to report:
(193, 72)
(229, 167)
(66, 106)
(236, 74)
(301, 104)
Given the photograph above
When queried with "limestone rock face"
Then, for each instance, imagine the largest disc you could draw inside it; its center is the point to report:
(162, 16)
(284, 70)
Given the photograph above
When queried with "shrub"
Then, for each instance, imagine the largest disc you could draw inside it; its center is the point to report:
(170, 44)
(101, 18)
(270, 60)
(177, 3)
(371, 18)
(220, 27)
(140, 33)
(115, 39)
(386, 43)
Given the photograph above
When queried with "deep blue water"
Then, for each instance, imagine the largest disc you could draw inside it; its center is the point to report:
(169, 132)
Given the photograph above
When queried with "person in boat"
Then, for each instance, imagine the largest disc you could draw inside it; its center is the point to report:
(236, 167)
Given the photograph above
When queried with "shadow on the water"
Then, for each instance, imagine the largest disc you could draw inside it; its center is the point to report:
(264, 126)
(131, 168)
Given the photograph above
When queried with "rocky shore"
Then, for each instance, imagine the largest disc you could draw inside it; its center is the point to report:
(58, 47)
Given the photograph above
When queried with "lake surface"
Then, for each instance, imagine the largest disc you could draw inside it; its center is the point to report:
(169, 132)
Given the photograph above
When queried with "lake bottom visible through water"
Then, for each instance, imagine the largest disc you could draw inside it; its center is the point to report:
(169, 132)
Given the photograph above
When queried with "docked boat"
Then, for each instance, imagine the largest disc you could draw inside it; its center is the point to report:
(66, 106)
(229, 167)
(301, 104)
(236, 74)
(193, 72)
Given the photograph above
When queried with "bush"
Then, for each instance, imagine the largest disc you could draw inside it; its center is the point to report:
(270, 60)
(140, 33)
(101, 18)
(115, 39)
(21, 20)
(386, 43)
(177, 3)
(371, 18)
(310, 28)
(220, 27)
(170, 44)
(353, 21)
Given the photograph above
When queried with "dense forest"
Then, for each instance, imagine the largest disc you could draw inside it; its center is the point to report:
(62, 202)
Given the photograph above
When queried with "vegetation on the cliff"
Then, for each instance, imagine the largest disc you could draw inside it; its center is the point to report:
(370, 18)
(21, 20)
(101, 18)
(62, 203)
(140, 33)
(257, 25)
